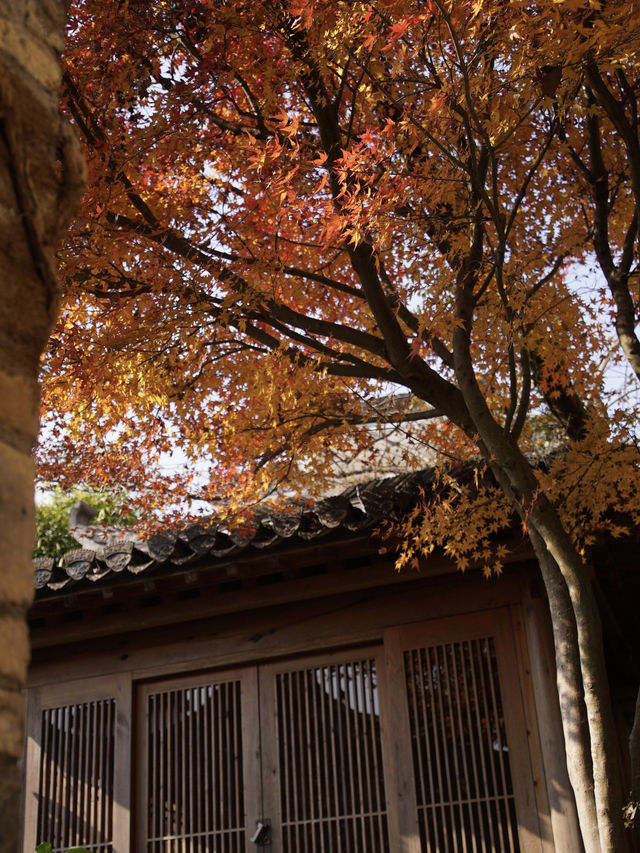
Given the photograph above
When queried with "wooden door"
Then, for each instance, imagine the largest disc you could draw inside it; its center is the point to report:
(297, 745)
(78, 759)
(199, 764)
(460, 743)
(417, 745)
(323, 767)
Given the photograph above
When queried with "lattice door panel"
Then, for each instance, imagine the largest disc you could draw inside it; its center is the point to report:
(332, 793)
(195, 779)
(461, 758)
(75, 796)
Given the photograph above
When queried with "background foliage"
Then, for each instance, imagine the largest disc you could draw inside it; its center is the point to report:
(52, 517)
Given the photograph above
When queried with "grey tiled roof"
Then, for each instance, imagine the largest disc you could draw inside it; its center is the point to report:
(115, 557)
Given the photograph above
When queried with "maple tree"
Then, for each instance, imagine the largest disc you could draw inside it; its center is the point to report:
(295, 208)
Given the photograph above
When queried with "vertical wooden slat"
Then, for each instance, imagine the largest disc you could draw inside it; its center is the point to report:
(99, 775)
(455, 815)
(367, 745)
(73, 776)
(344, 782)
(239, 818)
(351, 806)
(93, 769)
(207, 761)
(496, 824)
(197, 738)
(167, 760)
(55, 766)
(64, 772)
(219, 758)
(488, 773)
(316, 736)
(56, 790)
(234, 792)
(231, 785)
(307, 813)
(55, 773)
(469, 697)
(96, 708)
(234, 818)
(304, 755)
(44, 794)
(80, 784)
(498, 717)
(107, 751)
(335, 750)
(227, 748)
(376, 757)
(144, 785)
(161, 785)
(293, 830)
(251, 720)
(86, 771)
(430, 725)
(46, 798)
(191, 773)
(450, 680)
(414, 709)
(106, 709)
(324, 762)
(58, 793)
(174, 773)
(219, 762)
(109, 755)
(148, 745)
(224, 759)
(179, 844)
(285, 748)
(360, 822)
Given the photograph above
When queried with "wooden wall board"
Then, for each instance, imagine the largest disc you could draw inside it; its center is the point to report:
(327, 616)
(274, 630)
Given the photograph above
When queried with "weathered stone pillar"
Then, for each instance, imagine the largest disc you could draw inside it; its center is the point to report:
(41, 178)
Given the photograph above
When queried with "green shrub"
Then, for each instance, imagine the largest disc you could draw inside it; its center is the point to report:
(52, 518)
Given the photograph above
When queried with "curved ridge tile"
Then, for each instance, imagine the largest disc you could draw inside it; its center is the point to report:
(77, 563)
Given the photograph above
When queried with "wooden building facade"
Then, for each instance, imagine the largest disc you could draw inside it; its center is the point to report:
(284, 689)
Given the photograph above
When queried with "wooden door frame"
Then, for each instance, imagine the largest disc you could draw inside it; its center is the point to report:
(247, 676)
(271, 765)
(529, 793)
(79, 692)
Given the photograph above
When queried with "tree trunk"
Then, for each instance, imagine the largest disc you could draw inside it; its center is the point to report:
(41, 179)
(553, 545)
(606, 769)
(592, 748)
(571, 695)
(580, 635)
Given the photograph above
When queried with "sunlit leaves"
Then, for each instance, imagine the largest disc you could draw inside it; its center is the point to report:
(241, 153)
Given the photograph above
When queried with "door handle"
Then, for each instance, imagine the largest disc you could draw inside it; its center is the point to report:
(261, 836)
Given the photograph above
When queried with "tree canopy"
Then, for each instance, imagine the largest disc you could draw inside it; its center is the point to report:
(297, 208)
(282, 199)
